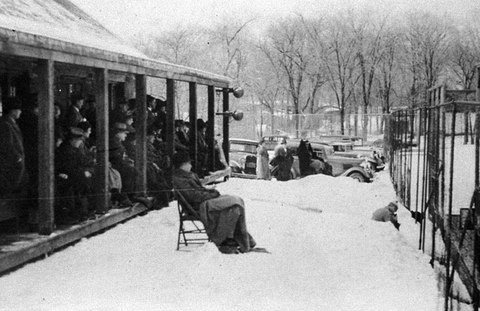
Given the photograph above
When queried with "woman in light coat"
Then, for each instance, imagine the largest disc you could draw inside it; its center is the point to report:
(263, 170)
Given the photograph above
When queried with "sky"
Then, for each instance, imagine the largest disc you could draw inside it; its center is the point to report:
(129, 17)
(326, 253)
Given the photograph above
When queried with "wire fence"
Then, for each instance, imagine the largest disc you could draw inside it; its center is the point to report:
(315, 125)
(434, 167)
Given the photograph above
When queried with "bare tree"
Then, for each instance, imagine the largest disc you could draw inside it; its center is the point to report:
(289, 41)
(388, 71)
(465, 53)
(426, 41)
(370, 46)
(339, 58)
(229, 41)
(267, 81)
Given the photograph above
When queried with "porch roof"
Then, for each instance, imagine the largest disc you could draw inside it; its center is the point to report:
(59, 30)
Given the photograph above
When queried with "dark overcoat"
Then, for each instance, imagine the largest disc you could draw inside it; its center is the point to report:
(222, 215)
(74, 163)
(72, 117)
(12, 157)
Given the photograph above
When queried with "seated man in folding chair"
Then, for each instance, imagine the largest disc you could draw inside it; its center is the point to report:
(222, 215)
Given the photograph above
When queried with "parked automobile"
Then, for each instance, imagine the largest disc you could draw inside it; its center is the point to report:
(243, 160)
(272, 140)
(357, 140)
(354, 167)
(349, 149)
(243, 157)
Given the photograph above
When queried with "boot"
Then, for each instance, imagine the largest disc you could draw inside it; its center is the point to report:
(143, 200)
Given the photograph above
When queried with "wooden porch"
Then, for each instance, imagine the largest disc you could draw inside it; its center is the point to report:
(19, 248)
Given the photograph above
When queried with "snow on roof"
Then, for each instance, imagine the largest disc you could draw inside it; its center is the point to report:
(61, 20)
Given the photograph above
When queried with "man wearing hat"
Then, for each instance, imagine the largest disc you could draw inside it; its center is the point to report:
(157, 163)
(222, 215)
(202, 148)
(161, 117)
(87, 147)
(120, 113)
(151, 111)
(178, 134)
(181, 133)
(73, 115)
(13, 175)
(121, 162)
(28, 124)
(74, 171)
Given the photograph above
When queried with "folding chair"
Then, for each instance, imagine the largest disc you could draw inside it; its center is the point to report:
(192, 217)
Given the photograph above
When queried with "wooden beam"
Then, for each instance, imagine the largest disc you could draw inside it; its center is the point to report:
(101, 172)
(46, 154)
(141, 133)
(226, 120)
(477, 94)
(210, 139)
(170, 110)
(193, 123)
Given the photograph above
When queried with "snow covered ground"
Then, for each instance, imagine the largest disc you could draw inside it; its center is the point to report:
(326, 254)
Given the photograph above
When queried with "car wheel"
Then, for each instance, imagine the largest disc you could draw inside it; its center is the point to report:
(357, 176)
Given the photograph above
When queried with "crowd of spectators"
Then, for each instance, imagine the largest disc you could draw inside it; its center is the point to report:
(75, 154)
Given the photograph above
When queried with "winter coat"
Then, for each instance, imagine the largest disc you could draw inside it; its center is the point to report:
(13, 174)
(118, 115)
(386, 213)
(304, 159)
(123, 164)
(192, 189)
(222, 215)
(284, 165)
(72, 117)
(73, 163)
(263, 169)
(28, 124)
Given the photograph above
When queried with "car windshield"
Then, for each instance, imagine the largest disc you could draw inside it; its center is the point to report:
(343, 148)
(243, 148)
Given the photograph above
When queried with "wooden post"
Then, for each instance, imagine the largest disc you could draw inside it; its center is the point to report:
(477, 166)
(477, 93)
(101, 172)
(141, 134)
(226, 120)
(193, 123)
(170, 125)
(46, 150)
(210, 139)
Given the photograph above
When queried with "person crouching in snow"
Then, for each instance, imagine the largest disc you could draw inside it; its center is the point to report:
(387, 213)
(222, 215)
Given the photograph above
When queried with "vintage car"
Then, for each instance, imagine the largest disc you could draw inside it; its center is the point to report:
(355, 167)
(272, 140)
(243, 157)
(348, 149)
(356, 140)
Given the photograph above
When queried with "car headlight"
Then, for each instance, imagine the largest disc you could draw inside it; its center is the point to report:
(367, 166)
